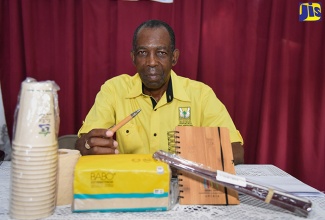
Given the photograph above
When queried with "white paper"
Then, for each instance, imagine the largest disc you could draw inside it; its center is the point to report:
(230, 178)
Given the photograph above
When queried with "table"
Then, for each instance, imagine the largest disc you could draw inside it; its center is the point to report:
(249, 208)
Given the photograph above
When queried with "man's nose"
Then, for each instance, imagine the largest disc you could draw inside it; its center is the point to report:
(152, 59)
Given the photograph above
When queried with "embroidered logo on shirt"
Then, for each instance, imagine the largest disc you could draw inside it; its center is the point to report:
(185, 116)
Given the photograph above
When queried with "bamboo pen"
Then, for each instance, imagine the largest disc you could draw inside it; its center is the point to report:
(124, 121)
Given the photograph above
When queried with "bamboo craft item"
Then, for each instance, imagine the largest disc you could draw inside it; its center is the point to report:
(297, 205)
(215, 152)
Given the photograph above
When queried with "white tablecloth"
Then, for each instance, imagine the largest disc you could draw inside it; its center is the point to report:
(249, 208)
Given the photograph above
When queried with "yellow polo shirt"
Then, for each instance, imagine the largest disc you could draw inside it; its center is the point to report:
(189, 103)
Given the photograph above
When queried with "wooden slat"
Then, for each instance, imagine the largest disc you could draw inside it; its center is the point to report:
(202, 145)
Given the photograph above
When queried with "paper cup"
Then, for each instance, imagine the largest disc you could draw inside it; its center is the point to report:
(41, 170)
(33, 153)
(28, 214)
(39, 159)
(49, 194)
(27, 157)
(31, 203)
(38, 208)
(16, 166)
(44, 173)
(39, 148)
(30, 184)
(33, 179)
(24, 197)
(42, 206)
(18, 215)
(24, 162)
(35, 123)
(26, 193)
(35, 188)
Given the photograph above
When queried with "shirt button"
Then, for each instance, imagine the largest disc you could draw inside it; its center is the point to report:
(155, 134)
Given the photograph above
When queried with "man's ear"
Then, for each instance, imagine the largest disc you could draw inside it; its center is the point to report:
(132, 57)
(175, 57)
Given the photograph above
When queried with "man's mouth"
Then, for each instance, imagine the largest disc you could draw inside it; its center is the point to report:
(152, 77)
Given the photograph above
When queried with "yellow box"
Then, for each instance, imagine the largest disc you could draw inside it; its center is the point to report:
(125, 182)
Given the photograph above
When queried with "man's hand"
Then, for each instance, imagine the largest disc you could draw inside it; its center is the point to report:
(99, 141)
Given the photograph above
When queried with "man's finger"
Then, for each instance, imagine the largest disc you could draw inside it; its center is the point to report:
(97, 133)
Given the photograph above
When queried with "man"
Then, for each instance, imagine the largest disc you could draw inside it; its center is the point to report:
(162, 97)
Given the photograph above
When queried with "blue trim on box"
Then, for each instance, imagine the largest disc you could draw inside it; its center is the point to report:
(148, 209)
(119, 196)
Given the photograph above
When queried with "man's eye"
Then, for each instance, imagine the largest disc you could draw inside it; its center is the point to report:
(142, 53)
(161, 53)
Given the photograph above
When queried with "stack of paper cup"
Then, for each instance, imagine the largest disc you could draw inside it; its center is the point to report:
(34, 153)
(35, 122)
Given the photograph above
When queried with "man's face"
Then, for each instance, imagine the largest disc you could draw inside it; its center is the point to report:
(153, 57)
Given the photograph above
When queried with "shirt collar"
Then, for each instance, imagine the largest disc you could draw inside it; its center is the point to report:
(178, 88)
(136, 89)
(175, 88)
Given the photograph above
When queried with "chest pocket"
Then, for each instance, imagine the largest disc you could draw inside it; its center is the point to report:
(131, 141)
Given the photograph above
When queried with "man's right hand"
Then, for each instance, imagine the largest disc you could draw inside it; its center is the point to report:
(99, 141)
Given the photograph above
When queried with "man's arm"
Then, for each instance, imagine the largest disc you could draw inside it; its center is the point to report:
(238, 152)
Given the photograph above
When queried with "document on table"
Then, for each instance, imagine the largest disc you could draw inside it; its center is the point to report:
(287, 184)
(271, 176)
